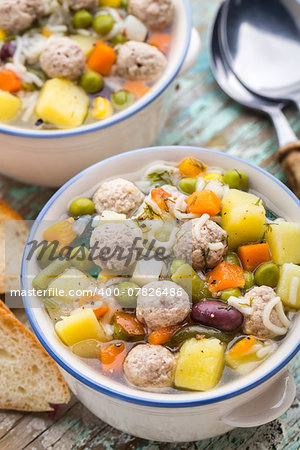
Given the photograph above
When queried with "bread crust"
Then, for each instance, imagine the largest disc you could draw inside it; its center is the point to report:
(11, 326)
(8, 213)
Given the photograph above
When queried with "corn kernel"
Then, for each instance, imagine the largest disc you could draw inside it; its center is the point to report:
(213, 176)
(2, 35)
(110, 3)
(102, 108)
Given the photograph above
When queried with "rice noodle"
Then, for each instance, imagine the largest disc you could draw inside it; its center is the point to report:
(198, 225)
(275, 303)
(244, 308)
(200, 184)
(215, 246)
(266, 349)
(29, 100)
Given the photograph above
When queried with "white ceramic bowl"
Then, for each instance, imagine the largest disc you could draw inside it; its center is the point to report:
(51, 158)
(251, 400)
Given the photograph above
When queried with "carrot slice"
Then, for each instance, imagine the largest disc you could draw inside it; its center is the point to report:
(102, 58)
(100, 312)
(9, 81)
(191, 167)
(61, 231)
(162, 41)
(160, 197)
(242, 347)
(253, 255)
(137, 89)
(129, 324)
(202, 202)
(225, 276)
(162, 335)
(112, 356)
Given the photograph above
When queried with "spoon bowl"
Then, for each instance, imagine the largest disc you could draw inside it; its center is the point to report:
(261, 42)
(288, 153)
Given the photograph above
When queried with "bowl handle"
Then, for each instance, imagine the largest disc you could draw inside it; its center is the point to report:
(269, 405)
(192, 53)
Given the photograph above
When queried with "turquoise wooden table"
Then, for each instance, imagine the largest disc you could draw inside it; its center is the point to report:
(200, 114)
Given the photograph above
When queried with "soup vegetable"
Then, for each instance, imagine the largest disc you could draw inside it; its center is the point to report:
(68, 62)
(214, 300)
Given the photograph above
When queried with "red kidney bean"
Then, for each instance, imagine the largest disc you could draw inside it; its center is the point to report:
(216, 314)
(7, 50)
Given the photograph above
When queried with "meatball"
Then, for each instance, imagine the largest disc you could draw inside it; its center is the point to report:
(155, 14)
(83, 4)
(162, 303)
(202, 245)
(63, 58)
(117, 195)
(139, 61)
(150, 366)
(112, 246)
(259, 297)
(17, 15)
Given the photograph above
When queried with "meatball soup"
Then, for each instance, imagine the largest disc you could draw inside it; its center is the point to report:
(173, 278)
(64, 63)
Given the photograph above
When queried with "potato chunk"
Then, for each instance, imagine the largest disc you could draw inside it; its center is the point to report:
(10, 105)
(70, 285)
(288, 287)
(284, 241)
(200, 364)
(87, 43)
(243, 218)
(79, 327)
(62, 103)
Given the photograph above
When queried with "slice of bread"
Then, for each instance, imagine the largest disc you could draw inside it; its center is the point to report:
(13, 231)
(29, 378)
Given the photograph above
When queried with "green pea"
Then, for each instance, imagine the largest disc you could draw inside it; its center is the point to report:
(187, 185)
(190, 281)
(232, 258)
(124, 4)
(118, 39)
(103, 24)
(249, 280)
(226, 293)
(82, 19)
(79, 258)
(175, 266)
(127, 294)
(46, 254)
(122, 99)
(267, 274)
(91, 82)
(82, 206)
(236, 179)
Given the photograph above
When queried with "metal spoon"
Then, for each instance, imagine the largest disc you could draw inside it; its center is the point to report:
(261, 42)
(230, 84)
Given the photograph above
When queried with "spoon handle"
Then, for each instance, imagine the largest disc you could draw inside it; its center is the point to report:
(289, 157)
(283, 129)
(288, 153)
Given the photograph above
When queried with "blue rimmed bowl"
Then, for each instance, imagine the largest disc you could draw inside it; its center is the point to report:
(250, 400)
(52, 157)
